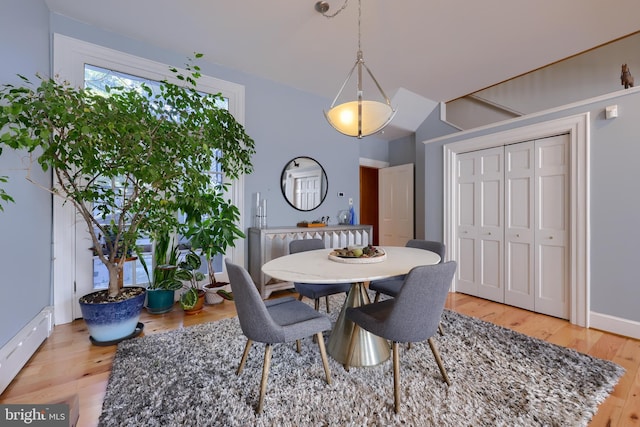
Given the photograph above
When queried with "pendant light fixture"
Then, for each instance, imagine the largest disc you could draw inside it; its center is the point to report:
(360, 117)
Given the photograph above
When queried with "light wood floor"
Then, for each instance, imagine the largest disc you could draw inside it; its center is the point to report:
(68, 364)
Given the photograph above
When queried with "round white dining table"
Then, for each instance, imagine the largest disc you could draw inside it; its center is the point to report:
(316, 267)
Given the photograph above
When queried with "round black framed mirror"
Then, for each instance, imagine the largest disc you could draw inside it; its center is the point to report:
(304, 183)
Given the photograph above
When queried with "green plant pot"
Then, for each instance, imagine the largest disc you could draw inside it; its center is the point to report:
(160, 300)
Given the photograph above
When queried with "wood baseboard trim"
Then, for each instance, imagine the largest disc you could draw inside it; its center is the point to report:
(17, 352)
(616, 325)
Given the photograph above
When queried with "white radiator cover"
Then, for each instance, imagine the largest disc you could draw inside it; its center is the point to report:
(16, 353)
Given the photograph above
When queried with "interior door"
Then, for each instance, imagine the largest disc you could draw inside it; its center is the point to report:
(519, 224)
(369, 200)
(480, 223)
(395, 190)
(552, 226)
(307, 192)
(490, 194)
(466, 222)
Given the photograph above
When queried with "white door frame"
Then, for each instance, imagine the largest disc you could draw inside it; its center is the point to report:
(578, 128)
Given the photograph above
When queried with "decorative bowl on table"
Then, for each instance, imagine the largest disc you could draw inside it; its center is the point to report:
(358, 255)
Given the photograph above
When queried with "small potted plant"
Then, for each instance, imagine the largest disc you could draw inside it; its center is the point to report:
(162, 287)
(192, 299)
(212, 234)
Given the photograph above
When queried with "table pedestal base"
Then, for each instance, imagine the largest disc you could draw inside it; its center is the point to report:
(369, 349)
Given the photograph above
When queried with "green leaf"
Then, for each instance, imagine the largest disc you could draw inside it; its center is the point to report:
(189, 299)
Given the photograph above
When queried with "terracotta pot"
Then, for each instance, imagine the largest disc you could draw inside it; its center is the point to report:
(199, 305)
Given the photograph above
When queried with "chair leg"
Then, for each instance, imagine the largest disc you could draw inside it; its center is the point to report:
(247, 347)
(377, 297)
(440, 329)
(298, 349)
(265, 376)
(316, 305)
(300, 297)
(323, 353)
(326, 300)
(396, 377)
(436, 354)
(352, 345)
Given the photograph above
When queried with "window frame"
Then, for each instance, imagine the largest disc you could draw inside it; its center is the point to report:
(69, 58)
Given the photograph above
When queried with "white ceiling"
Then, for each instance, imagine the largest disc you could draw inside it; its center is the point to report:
(438, 49)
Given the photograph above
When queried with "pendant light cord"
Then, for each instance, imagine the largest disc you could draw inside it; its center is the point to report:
(343, 7)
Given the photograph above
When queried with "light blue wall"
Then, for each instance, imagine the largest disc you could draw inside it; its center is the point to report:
(429, 188)
(402, 151)
(25, 227)
(370, 148)
(614, 198)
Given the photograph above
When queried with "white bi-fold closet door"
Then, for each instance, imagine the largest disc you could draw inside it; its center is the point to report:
(512, 224)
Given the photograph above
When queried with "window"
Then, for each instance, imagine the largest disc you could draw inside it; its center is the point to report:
(98, 78)
(73, 276)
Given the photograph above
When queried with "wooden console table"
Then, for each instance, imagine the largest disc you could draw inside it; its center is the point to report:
(266, 244)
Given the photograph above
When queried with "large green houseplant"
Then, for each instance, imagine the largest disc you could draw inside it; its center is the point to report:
(126, 157)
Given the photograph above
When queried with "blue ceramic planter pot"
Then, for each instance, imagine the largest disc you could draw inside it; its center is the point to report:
(160, 300)
(112, 321)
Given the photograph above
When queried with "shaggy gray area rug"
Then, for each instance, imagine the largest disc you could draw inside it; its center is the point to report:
(499, 377)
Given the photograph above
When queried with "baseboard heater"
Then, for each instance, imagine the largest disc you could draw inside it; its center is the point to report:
(17, 352)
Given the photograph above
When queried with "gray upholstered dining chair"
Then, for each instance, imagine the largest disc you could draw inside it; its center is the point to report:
(315, 291)
(392, 285)
(412, 316)
(273, 321)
